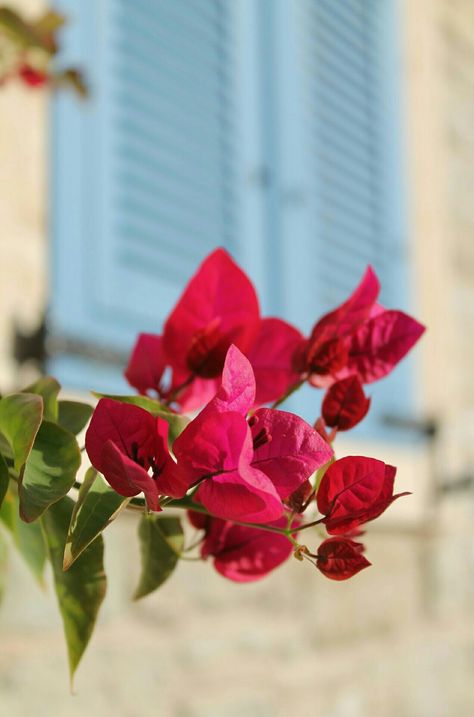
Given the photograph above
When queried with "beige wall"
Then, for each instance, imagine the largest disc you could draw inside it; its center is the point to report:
(440, 119)
(23, 212)
(398, 640)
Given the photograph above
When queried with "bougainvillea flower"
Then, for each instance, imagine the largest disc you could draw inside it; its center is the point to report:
(147, 364)
(241, 553)
(345, 404)
(341, 558)
(245, 469)
(218, 457)
(124, 442)
(219, 307)
(358, 338)
(353, 491)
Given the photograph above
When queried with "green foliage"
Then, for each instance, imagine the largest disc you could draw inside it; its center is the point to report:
(50, 471)
(48, 388)
(3, 565)
(73, 416)
(177, 423)
(4, 481)
(27, 537)
(20, 419)
(22, 32)
(80, 590)
(34, 43)
(161, 544)
(96, 507)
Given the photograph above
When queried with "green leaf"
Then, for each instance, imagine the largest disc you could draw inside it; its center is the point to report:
(73, 415)
(73, 79)
(177, 423)
(20, 419)
(4, 480)
(48, 388)
(3, 565)
(80, 590)
(20, 31)
(96, 507)
(50, 471)
(49, 22)
(27, 537)
(161, 544)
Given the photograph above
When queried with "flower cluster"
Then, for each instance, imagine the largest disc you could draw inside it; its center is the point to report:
(249, 472)
(27, 50)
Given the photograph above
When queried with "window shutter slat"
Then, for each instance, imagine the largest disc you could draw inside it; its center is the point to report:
(145, 178)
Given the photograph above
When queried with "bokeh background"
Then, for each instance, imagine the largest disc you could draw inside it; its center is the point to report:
(310, 138)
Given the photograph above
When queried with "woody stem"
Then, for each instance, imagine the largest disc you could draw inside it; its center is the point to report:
(186, 504)
(310, 525)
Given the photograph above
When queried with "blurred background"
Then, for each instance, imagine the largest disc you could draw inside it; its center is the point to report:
(309, 138)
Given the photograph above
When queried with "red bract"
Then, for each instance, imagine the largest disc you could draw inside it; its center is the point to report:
(124, 442)
(379, 344)
(358, 338)
(271, 356)
(345, 404)
(240, 553)
(219, 307)
(32, 77)
(353, 491)
(245, 469)
(147, 364)
(340, 558)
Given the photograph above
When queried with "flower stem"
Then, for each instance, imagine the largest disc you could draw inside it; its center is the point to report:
(310, 525)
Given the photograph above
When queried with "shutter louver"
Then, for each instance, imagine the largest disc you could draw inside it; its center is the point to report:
(345, 76)
(343, 103)
(150, 157)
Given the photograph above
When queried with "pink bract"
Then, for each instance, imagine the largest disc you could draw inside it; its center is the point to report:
(245, 469)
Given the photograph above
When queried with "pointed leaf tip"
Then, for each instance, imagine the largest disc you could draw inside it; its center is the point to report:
(81, 590)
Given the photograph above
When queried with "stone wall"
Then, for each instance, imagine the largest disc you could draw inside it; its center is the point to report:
(23, 213)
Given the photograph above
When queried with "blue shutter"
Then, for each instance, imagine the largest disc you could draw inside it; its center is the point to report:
(341, 172)
(144, 170)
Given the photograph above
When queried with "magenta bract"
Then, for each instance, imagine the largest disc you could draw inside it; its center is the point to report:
(219, 307)
(246, 468)
(124, 442)
(240, 553)
(358, 338)
(147, 364)
(353, 491)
